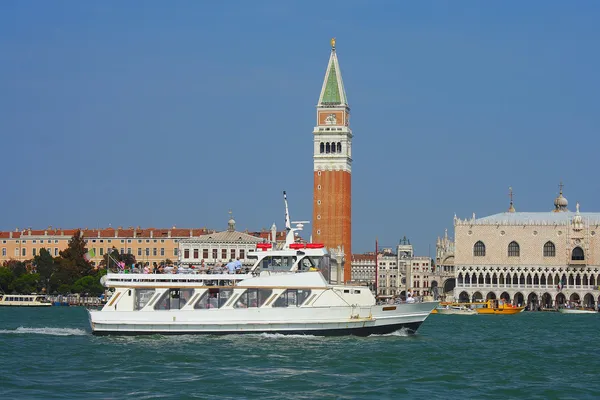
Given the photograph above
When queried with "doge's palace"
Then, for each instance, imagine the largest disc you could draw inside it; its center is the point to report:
(538, 259)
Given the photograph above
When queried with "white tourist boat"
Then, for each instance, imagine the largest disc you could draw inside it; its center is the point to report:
(23, 300)
(291, 289)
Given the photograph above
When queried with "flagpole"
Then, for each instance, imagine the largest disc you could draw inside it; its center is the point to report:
(376, 270)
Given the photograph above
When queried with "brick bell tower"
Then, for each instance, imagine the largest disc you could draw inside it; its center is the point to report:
(332, 199)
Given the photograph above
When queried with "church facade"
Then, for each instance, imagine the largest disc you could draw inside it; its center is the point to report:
(538, 259)
(332, 162)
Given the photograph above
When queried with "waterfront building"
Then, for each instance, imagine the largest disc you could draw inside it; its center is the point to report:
(398, 271)
(332, 157)
(444, 266)
(148, 245)
(220, 247)
(539, 259)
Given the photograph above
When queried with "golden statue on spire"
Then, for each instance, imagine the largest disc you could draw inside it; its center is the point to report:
(333, 43)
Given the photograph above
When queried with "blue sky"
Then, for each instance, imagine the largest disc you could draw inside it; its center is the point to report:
(171, 113)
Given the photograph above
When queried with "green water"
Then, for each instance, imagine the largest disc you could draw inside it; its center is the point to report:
(51, 354)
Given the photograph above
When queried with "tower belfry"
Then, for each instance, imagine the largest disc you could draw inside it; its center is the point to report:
(332, 157)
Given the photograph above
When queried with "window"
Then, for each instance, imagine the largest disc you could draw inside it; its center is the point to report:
(224, 254)
(479, 249)
(175, 252)
(34, 252)
(147, 251)
(129, 250)
(577, 254)
(16, 252)
(205, 253)
(339, 147)
(253, 298)
(292, 297)
(195, 253)
(549, 250)
(154, 251)
(55, 251)
(174, 299)
(214, 298)
(186, 253)
(101, 251)
(232, 253)
(4, 252)
(140, 252)
(162, 251)
(215, 254)
(242, 253)
(322, 147)
(128, 240)
(24, 251)
(514, 250)
(142, 296)
(122, 250)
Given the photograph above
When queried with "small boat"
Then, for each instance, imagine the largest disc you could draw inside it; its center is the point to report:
(455, 309)
(498, 307)
(292, 288)
(577, 310)
(23, 300)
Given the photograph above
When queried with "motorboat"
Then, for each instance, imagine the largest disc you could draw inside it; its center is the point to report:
(497, 307)
(455, 309)
(23, 300)
(292, 288)
(576, 310)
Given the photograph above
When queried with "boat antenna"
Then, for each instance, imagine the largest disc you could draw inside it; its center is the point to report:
(288, 225)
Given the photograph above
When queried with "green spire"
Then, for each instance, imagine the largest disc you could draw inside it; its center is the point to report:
(333, 93)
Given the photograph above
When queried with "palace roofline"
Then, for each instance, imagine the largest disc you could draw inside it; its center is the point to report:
(531, 218)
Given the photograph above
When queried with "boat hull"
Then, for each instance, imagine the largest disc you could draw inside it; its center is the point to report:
(500, 311)
(575, 311)
(450, 311)
(381, 320)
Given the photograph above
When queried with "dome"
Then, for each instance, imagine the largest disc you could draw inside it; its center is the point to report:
(560, 203)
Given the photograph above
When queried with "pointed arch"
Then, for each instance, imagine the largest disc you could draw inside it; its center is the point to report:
(339, 147)
(479, 249)
(327, 148)
(514, 250)
(549, 249)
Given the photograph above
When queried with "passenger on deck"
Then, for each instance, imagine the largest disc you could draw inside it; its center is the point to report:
(409, 298)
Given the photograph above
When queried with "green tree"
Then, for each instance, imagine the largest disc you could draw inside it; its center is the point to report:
(72, 263)
(6, 279)
(88, 285)
(26, 284)
(18, 267)
(46, 267)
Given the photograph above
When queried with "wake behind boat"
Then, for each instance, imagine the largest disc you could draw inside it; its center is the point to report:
(289, 290)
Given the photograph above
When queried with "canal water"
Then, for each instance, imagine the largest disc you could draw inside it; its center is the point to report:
(51, 354)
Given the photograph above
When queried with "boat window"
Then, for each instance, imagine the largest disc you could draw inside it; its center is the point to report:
(253, 298)
(173, 299)
(277, 263)
(142, 297)
(214, 298)
(292, 297)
